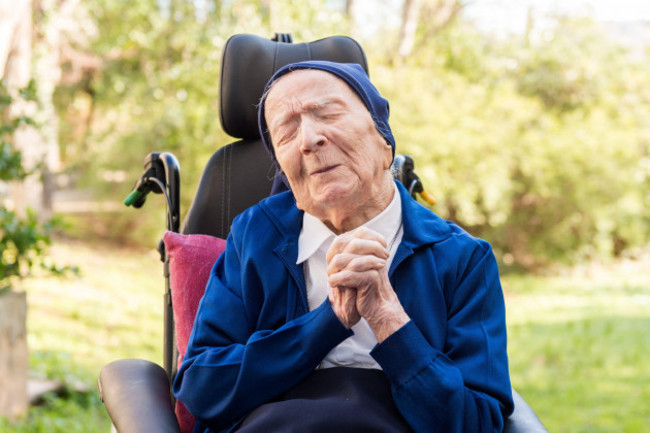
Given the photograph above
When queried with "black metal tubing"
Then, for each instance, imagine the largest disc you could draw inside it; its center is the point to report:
(172, 184)
(162, 176)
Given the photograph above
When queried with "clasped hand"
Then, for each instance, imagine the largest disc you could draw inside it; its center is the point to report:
(359, 285)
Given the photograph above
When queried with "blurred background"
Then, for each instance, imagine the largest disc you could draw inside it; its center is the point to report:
(529, 121)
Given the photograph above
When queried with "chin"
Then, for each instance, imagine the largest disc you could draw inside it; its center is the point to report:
(333, 195)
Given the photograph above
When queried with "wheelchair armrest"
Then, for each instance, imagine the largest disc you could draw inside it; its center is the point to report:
(523, 419)
(137, 397)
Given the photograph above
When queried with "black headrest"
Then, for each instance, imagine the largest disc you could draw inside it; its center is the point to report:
(248, 63)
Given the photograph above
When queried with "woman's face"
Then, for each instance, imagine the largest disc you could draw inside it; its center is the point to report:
(325, 142)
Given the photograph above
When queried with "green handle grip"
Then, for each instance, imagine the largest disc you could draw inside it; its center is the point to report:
(132, 197)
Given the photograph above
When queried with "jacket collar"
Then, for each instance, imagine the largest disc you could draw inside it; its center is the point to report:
(421, 225)
(284, 214)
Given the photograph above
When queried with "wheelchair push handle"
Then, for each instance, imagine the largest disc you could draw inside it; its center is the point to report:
(403, 169)
(132, 198)
(137, 197)
(161, 176)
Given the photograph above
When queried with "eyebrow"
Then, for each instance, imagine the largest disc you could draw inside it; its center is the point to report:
(328, 101)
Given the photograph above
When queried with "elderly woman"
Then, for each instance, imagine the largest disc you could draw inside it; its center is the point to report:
(342, 305)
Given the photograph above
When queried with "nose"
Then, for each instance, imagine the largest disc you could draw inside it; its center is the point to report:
(311, 135)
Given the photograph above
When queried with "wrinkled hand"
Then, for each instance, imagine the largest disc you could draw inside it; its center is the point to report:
(357, 272)
(356, 251)
(344, 304)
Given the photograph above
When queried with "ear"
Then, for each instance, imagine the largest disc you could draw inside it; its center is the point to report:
(387, 155)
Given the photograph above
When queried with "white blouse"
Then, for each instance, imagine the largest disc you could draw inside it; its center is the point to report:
(314, 241)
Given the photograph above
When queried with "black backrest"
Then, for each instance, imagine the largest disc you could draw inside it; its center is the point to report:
(240, 174)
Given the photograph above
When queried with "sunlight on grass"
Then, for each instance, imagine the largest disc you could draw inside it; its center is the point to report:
(113, 310)
(77, 325)
(579, 345)
(579, 342)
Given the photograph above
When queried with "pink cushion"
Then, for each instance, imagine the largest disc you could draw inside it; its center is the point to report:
(191, 258)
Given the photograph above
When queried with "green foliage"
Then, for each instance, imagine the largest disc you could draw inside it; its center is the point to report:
(10, 159)
(158, 90)
(10, 162)
(22, 244)
(538, 145)
(539, 142)
(569, 66)
(22, 240)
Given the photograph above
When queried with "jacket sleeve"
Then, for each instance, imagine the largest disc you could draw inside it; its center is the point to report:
(466, 388)
(230, 366)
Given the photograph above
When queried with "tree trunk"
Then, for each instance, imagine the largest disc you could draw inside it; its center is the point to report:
(15, 39)
(14, 360)
(349, 7)
(350, 14)
(47, 74)
(16, 49)
(433, 15)
(39, 148)
(408, 27)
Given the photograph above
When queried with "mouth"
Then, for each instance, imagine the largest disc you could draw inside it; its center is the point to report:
(325, 169)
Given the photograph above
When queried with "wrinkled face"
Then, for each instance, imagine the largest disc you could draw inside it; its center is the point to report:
(325, 141)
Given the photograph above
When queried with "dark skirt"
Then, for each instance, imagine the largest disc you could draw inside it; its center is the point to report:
(332, 400)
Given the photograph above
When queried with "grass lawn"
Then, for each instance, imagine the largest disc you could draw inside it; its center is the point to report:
(579, 347)
(579, 343)
(76, 325)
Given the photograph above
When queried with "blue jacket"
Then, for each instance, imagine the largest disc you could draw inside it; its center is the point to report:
(254, 337)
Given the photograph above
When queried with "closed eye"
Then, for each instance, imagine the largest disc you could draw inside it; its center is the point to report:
(285, 132)
(329, 114)
(329, 110)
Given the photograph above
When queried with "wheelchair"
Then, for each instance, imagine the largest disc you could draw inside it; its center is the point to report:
(136, 393)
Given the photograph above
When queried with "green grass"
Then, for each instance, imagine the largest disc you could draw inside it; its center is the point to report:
(579, 347)
(579, 343)
(77, 325)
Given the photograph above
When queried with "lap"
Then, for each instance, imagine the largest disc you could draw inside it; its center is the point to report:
(331, 400)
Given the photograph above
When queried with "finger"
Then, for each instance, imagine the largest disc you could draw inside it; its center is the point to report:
(344, 304)
(369, 234)
(342, 241)
(355, 280)
(336, 299)
(366, 247)
(349, 299)
(354, 263)
(342, 296)
(358, 247)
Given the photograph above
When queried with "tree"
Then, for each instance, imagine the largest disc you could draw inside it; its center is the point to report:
(508, 133)
(15, 65)
(542, 181)
(431, 16)
(157, 89)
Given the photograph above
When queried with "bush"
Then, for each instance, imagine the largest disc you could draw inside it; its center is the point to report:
(22, 240)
